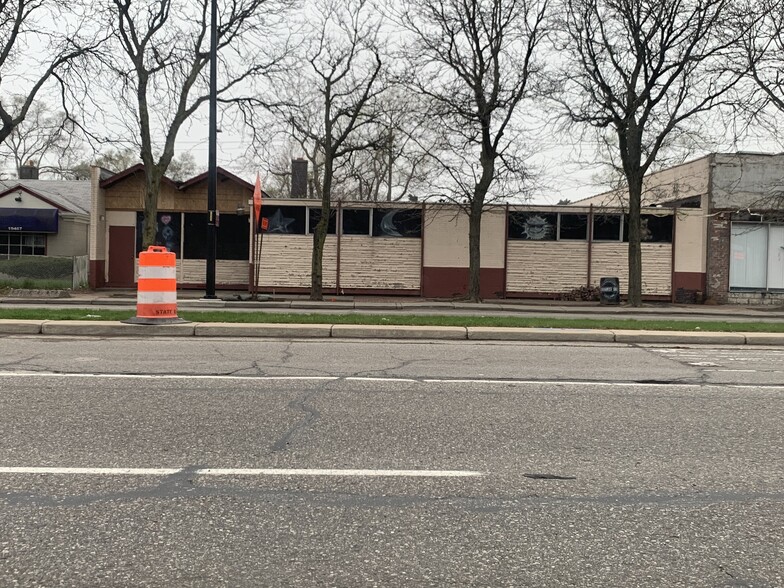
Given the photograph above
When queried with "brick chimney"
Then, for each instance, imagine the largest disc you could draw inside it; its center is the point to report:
(28, 171)
(299, 178)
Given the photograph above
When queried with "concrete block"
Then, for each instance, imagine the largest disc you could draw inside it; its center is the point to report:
(115, 329)
(261, 330)
(764, 338)
(522, 334)
(20, 327)
(680, 337)
(397, 332)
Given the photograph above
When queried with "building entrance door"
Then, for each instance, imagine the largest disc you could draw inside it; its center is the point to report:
(122, 245)
(776, 258)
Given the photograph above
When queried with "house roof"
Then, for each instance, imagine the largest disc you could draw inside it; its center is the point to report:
(69, 195)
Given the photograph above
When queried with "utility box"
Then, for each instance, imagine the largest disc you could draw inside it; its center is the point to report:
(609, 291)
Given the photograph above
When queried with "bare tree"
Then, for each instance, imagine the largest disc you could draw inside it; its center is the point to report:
(43, 138)
(330, 99)
(762, 28)
(39, 42)
(475, 61)
(156, 68)
(639, 71)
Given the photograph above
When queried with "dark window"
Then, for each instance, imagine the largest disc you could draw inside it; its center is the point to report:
(285, 220)
(15, 244)
(233, 237)
(315, 217)
(607, 227)
(573, 226)
(356, 221)
(532, 226)
(653, 229)
(195, 246)
(167, 231)
(397, 222)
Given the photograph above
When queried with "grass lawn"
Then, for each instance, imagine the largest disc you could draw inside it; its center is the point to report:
(402, 319)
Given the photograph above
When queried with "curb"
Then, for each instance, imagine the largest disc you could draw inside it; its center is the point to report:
(400, 332)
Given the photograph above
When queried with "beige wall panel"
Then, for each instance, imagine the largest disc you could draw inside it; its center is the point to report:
(118, 218)
(690, 240)
(70, 240)
(747, 180)
(28, 201)
(379, 263)
(286, 261)
(98, 231)
(552, 266)
(446, 238)
(612, 260)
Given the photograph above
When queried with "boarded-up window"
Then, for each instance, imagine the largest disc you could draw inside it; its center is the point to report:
(356, 221)
(167, 231)
(573, 226)
(397, 222)
(314, 216)
(533, 226)
(232, 236)
(607, 227)
(285, 220)
(654, 228)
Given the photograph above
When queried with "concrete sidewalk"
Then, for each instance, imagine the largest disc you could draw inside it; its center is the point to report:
(191, 299)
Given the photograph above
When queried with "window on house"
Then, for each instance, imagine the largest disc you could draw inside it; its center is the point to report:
(573, 226)
(13, 244)
(314, 216)
(607, 227)
(749, 256)
(397, 222)
(284, 220)
(356, 221)
(532, 226)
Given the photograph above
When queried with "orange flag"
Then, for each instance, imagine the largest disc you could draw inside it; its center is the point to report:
(257, 199)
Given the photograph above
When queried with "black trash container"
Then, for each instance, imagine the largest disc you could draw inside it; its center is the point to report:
(609, 291)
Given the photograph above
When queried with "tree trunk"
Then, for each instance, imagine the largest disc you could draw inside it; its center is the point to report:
(320, 234)
(474, 260)
(635, 250)
(152, 186)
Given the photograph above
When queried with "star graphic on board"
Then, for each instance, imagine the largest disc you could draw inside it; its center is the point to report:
(278, 223)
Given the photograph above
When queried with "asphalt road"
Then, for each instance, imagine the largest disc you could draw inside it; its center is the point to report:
(336, 463)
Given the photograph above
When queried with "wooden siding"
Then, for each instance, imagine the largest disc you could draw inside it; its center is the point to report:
(286, 261)
(612, 259)
(194, 271)
(380, 263)
(546, 266)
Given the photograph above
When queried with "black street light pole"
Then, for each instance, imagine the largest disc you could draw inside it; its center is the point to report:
(212, 164)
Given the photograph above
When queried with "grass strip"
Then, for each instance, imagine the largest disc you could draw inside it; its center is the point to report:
(402, 319)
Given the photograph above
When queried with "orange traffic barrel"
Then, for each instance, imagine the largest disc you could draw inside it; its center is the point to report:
(156, 295)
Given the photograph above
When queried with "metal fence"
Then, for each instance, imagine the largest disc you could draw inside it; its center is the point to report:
(39, 272)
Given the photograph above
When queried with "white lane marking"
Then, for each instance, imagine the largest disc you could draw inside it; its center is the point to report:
(253, 378)
(92, 471)
(27, 374)
(354, 473)
(243, 472)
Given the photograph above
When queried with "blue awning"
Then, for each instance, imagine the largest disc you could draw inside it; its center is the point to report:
(29, 220)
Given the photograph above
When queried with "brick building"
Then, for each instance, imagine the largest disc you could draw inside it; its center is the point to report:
(729, 211)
